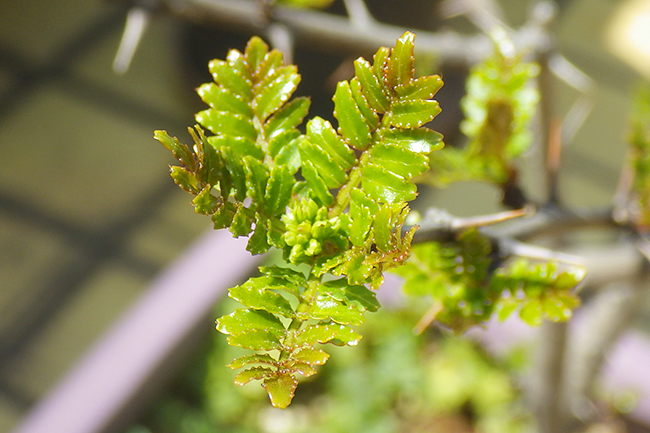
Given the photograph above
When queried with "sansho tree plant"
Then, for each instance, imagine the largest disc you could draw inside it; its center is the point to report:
(334, 200)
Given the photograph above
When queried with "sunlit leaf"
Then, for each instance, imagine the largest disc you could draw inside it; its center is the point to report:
(256, 50)
(222, 99)
(224, 74)
(326, 333)
(400, 161)
(278, 190)
(310, 356)
(252, 359)
(326, 307)
(281, 390)
(352, 124)
(400, 69)
(420, 140)
(274, 94)
(421, 88)
(255, 373)
(243, 320)
(317, 186)
(370, 85)
(227, 123)
(386, 186)
(411, 114)
(289, 117)
(252, 296)
(255, 339)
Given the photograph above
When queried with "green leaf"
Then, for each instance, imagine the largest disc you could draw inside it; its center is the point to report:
(257, 177)
(332, 173)
(243, 320)
(400, 161)
(255, 339)
(327, 333)
(227, 123)
(258, 243)
(289, 117)
(317, 186)
(356, 269)
(326, 307)
(304, 369)
(289, 275)
(274, 94)
(276, 230)
(181, 152)
(411, 114)
(278, 190)
(272, 61)
(210, 168)
(310, 356)
(255, 373)
(362, 212)
(184, 179)
(235, 167)
(224, 215)
(532, 312)
(242, 221)
(322, 135)
(422, 140)
(370, 85)
(280, 141)
(506, 308)
(230, 78)
(385, 186)
(420, 88)
(382, 228)
(239, 146)
(400, 68)
(352, 124)
(256, 51)
(379, 66)
(281, 390)
(253, 294)
(222, 99)
(369, 115)
(555, 310)
(205, 203)
(357, 295)
(252, 359)
(289, 154)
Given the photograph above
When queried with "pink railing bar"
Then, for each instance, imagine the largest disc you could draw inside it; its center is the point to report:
(103, 388)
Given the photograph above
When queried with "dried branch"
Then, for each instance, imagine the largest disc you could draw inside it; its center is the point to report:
(358, 33)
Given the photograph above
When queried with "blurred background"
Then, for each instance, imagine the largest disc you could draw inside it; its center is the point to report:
(88, 213)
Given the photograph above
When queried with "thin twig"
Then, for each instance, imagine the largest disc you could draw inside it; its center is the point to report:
(359, 14)
(317, 28)
(427, 318)
(137, 21)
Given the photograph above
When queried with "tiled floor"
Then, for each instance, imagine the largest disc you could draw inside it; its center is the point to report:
(87, 212)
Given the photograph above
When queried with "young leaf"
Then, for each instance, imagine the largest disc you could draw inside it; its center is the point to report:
(352, 124)
(242, 320)
(281, 390)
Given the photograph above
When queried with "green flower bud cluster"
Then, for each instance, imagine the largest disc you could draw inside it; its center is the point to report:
(309, 232)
